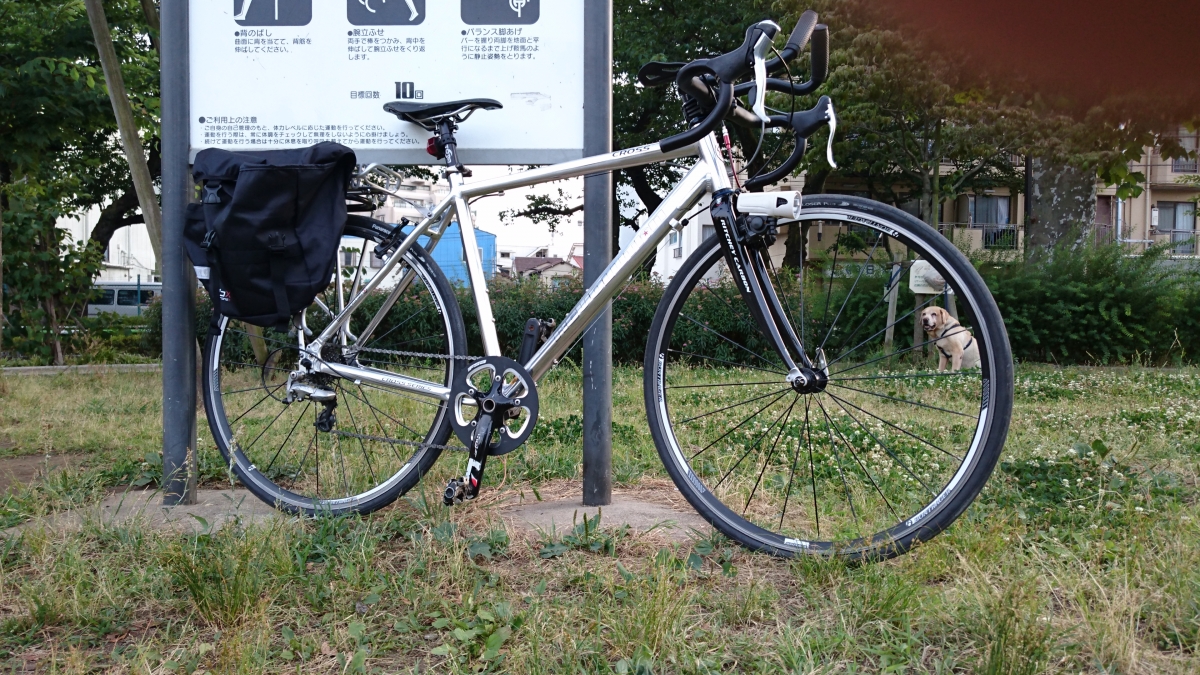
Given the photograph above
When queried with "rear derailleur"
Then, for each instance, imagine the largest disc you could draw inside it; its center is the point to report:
(494, 406)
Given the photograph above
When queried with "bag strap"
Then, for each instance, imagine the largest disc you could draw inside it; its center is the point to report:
(281, 251)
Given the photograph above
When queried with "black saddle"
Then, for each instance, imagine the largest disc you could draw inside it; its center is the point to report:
(429, 114)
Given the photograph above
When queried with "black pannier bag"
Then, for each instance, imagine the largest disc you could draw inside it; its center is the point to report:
(267, 228)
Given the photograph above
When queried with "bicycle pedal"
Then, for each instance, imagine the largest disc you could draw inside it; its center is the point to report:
(454, 492)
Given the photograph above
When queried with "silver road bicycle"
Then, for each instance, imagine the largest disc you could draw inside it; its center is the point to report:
(784, 402)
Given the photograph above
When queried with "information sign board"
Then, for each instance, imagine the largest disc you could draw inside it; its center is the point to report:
(268, 74)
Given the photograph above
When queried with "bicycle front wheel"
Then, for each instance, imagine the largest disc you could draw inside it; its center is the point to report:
(361, 450)
(891, 451)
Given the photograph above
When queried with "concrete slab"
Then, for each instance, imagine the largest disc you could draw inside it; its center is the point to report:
(217, 508)
(641, 516)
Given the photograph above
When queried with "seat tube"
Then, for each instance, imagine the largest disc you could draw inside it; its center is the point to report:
(479, 289)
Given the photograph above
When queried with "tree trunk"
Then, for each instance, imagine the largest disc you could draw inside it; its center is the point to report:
(1062, 205)
(795, 244)
(135, 154)
(5, 178)
(55, 337)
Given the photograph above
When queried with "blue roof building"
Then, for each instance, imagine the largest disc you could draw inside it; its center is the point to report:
(449, 254)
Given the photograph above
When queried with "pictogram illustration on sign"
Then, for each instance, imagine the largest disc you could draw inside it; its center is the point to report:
(500, 12)
(272, 12)
(385, 12)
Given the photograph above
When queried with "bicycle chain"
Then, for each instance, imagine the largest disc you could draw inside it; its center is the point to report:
(398, 352)
(396, 441)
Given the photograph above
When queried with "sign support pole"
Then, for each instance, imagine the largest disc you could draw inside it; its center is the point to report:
(179, 281)
(597, 252)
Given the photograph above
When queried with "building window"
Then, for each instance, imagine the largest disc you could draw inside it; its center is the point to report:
(710, 230)
(1178, 219)
(129, 298)
(349, 258)
(1186, 164)
(989, 209)
(674, 238)
(376, 262)
(505, 255)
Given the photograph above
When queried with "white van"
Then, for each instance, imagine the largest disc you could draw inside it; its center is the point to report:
(122, 297)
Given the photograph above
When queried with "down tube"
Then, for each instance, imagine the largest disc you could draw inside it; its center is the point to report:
(693, 185)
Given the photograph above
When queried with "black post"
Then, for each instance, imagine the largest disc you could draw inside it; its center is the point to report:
(179, 281)
(597, 252)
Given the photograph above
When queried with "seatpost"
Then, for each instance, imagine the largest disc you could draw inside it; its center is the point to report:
(449, 146)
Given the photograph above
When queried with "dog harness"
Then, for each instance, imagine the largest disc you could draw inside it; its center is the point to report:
(943, 333)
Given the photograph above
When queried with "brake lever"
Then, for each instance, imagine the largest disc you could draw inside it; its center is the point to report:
(831, 116)
(760, 71)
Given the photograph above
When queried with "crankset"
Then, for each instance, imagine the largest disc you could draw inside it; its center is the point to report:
(493, 409)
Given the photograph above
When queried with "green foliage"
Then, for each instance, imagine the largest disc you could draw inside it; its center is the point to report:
(59, 154)
(227, 575)
(48, 278)
(585, 535)
(1096, 305)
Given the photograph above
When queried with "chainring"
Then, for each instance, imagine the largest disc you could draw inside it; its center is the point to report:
(504, 386)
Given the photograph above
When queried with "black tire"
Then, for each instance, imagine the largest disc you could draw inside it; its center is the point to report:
(403, 446)
(700, 380)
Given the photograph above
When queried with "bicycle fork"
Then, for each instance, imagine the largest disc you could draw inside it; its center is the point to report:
(745, 241)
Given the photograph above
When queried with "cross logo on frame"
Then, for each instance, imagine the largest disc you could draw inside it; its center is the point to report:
(272, 12)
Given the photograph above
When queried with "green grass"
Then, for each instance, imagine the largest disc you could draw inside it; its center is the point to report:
(1081, 555)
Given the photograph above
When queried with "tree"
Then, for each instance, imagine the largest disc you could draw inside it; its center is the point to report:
(57, 149)
(666, 30)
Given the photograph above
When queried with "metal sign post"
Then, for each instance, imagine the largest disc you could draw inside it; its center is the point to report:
(179, 282)
(597, 252)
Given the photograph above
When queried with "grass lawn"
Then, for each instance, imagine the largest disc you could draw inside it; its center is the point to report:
(1081, 555)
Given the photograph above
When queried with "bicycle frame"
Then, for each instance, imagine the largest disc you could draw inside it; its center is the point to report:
(707, 176)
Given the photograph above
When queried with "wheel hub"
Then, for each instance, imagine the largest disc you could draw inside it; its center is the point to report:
(809, 381)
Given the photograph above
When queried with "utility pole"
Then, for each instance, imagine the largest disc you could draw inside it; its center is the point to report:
(179, 281)
(597, 252)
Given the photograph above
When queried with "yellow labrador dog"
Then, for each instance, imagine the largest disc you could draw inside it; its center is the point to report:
(955, 344)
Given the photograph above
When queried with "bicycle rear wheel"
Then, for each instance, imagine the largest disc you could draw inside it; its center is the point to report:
(889, 453)
(374, 444)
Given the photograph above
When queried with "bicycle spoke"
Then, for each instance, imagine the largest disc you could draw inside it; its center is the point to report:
(736, 405)
(887, 290)
(722, 385)
(267, 428)
(883, 445)
(414, 432)
(896, 353)
(857, 460)
(758, 440)
(903, 400)
(884, 330)
(285, 440)
(410, 317)
(357, 430)
(957, 373)
(838, 458)
(732, 363)
(270, 394)
(900, 429)
(739, 425)
(861, 268)
(767, 460)
(812, 470)
(755, 354)
(379, 423)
